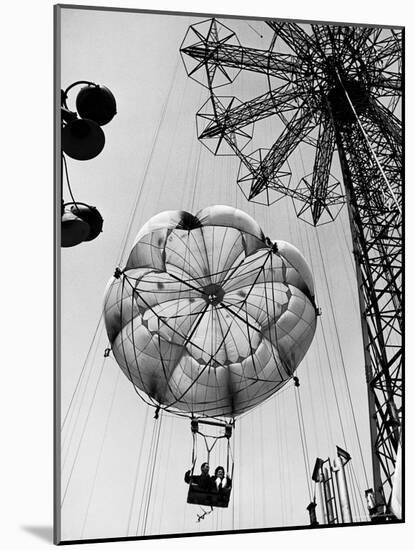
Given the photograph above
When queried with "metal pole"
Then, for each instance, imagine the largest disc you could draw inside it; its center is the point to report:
(335, 469)
(321, 501)
(343, 492)
(329, 496)
(312, 511)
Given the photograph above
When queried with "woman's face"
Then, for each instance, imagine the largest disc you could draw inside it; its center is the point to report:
(220, 473)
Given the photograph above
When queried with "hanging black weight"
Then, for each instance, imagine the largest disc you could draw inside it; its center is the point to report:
(82, 139)
(96, 103)
(91, 216)
(74, 230)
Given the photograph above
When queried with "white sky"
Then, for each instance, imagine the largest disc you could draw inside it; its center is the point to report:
(109, 430)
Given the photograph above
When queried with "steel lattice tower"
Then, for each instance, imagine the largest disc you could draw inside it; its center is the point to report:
(341, 84)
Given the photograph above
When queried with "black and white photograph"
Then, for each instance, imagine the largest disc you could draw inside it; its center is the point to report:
(229, 274)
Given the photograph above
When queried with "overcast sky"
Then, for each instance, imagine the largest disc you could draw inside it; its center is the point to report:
(152, 155)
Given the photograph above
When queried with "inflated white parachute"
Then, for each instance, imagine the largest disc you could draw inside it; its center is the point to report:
(209, 316)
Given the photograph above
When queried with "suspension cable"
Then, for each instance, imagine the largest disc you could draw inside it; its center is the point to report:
(149, 478)
(147, 167)
(64, 162)
(83, 433)
(303, 441)
(343, 365)
(361, 501)
(340, 350)
(369, 145)
(133, 496)
(98, 462)
(99, 325)
(153, 468)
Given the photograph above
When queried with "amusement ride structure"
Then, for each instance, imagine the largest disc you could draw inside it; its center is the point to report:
(209, 312)
(337, 88)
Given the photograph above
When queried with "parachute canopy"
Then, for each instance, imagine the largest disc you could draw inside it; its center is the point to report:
(209, 316)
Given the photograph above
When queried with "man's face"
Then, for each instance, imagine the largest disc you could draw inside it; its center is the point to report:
(221, 473)
(205, 468)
